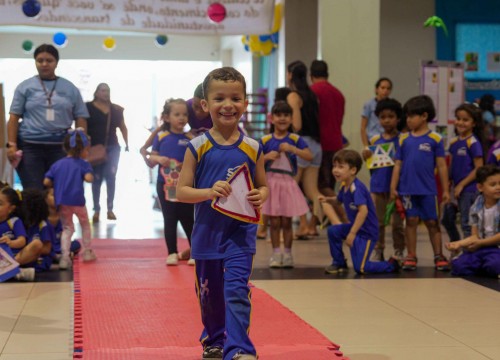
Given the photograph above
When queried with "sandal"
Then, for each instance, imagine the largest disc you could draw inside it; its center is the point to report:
(441, 263)
(410, 263)
(301, 237)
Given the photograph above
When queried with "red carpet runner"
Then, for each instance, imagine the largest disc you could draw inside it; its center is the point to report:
(129, 305)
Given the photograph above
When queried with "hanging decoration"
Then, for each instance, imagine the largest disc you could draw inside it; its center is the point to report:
(216, 12)
(31, 8)
(437, 22)
(60, 39)
(27, 46)
(109, 43)
(264, 45)
(161, 40)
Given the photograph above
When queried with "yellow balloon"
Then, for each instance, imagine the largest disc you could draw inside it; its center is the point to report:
(244, 40)
(278, 16)
(109, 43)
(254, 43)
(266, 47)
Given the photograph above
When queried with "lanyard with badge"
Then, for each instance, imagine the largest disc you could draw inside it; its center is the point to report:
(50, 110)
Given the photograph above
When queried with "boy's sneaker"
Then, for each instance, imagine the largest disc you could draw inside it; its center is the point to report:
(65, 263)
(395, 262)
(244, 357)
(335, 269)
(212, 352)
(88, 255)
(26, 274)
(287, 261)
(172, 259)
(441, 263)
(377, 255)
(191, 261)
(276, 260)
(410, 263)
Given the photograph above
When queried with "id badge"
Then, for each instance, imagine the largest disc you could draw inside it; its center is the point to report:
(50, 114)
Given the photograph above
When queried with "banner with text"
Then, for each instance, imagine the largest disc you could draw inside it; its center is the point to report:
(190, 17)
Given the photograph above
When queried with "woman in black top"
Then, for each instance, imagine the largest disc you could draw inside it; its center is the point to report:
(306, 123)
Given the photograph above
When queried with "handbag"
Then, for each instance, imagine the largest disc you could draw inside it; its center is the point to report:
(97, 153)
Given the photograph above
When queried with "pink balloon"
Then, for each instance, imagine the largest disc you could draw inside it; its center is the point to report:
(216, 12)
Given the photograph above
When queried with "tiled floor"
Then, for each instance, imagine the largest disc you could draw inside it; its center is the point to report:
(407, 316)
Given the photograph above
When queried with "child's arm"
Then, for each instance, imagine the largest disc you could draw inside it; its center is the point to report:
(305, 153)
(17, 243)
(258, 196)
(144, 149)
(395, 179)
(155, 159)
(358, 222)
(185, 190)
(364, 134)
(47, 182)
(443, 176)
(89, 177)
(478, 162)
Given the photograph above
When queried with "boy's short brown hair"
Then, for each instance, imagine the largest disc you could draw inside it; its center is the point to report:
(484, 172)
(349, 157)
(226, 74)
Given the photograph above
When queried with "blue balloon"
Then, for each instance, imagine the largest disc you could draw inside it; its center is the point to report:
(60, 39)
(275, 37)
(161, 40)
(246, 48)
(264, 38)
(31, 8)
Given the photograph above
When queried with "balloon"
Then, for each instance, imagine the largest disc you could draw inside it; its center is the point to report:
(264, 38)
(60, 39)
(244, 40)
(246, 48)
(275, 37)
(27, 45)
(216, 12)
(278, 15)
(266, 47)
(109, 43)
(31, 8)
(161, 40)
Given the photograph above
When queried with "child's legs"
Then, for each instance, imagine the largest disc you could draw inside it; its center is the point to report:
(360, 254)
(83, 219)
(237, 295)
(411, 235)
(381, 200)
(210, 293)
(468, 263)
(275, 231)
(30, 252)
(491, 260)
(66, 215)
(169, 212)
(448, 220)
(286, 225)
(398, 232)
(427, 207)
(464, 203)
(434, 236)
(185, 213)
(336, 236)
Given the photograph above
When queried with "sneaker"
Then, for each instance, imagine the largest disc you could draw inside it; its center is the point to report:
(95, 218)
(410, 263)
(276, 260)
(398, 254)
(441, 263)
(111, 215)
(244, 357)
(65, 263)
(172, 259)
(191, 261)
(212, 352)
(377, 255)
(395, 262)
(287, 261)
(335, 269)
(89, 255)
(26, 274)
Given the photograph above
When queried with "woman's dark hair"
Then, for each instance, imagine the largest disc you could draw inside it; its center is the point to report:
(379, 81)
(167, 108)
(14, 197)
(34, 207)
(48, 49)
(298, 82)
(98, 87)
(281, 93)
(75, 142)
(487, 103)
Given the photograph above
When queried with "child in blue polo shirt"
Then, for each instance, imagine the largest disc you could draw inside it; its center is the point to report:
(420, 152)
(361, 233)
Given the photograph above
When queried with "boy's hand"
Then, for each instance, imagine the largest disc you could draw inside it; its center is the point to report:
(445, 198)
(394, 194)
(164, 161)
(366, 153)
(255, 198)
(457, 191)
(323, 198)
(474, 243)
(220, 189)
(349, 240)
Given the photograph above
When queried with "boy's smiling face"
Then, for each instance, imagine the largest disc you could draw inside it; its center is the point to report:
(225, 102)
(491, 187)
(343, 172)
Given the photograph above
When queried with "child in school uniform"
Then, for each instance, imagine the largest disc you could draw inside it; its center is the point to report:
(169, 147)
(361, 233)
(286, 200)
(466, 156)
(420, 152)
(481, 250)
(223, 247)
(494, 154)
(388, 111)
(67, 177)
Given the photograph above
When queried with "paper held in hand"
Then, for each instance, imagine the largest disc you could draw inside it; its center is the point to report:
(236, 205)
(282, 164)
(8, 266)
(382, 156)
